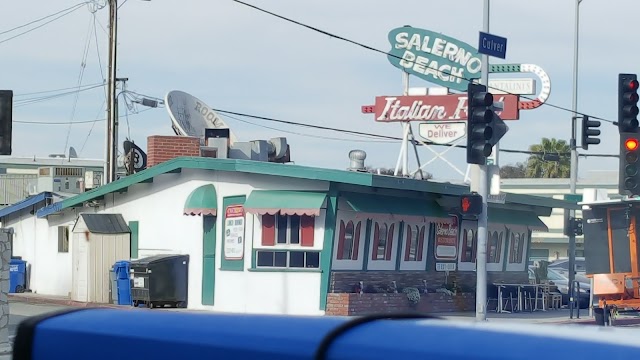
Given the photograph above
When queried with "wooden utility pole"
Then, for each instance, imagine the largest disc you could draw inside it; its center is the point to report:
(111, 153)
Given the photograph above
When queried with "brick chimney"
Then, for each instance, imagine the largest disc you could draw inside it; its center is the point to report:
(163, 148)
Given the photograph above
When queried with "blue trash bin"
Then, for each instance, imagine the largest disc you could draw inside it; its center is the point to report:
(121, 268)
(17, 275)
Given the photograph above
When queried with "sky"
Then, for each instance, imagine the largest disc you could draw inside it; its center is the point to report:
(238, 59)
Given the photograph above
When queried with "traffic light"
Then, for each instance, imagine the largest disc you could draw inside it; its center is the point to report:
(627, 103)
(470, 205)
(479, 118)
(628, 175)
(589, 134)
(6, 121)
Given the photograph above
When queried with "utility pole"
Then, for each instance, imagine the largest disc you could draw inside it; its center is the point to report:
(111, 153)
(574, 162)
(483, 190)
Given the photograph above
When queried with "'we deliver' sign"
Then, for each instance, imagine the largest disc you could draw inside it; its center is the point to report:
(444, 132)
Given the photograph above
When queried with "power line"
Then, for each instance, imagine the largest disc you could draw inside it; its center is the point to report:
(73, 122)
(25, 102)
(400, 58)
(43, 24)
(387, 137)
(56, 90)
(42, 18)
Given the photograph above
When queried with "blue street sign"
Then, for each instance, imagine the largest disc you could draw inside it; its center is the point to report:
(492, 45)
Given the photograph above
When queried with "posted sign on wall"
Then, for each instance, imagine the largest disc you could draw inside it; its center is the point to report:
(234, 232)
(447, 240)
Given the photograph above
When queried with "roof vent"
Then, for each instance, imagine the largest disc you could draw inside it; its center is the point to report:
(357, 160)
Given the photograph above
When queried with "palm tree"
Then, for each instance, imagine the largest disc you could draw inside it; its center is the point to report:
(539, 165)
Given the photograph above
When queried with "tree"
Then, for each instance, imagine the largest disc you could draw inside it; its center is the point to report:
(514, 171)
(541, 165)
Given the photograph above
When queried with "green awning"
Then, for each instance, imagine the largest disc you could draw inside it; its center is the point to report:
(202, 201)
(286, 202)
(516, 217)
(379, 204)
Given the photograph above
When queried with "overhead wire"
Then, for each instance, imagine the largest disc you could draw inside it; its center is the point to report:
(83, 66)
(371, 48)
(29, 101)
(64, 13)
(56, 90)
(73, 122)
(388, 137)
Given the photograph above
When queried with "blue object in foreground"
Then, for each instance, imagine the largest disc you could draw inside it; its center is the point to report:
(147, 334)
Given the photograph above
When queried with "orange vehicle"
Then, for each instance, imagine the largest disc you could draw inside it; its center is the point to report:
(611, 256)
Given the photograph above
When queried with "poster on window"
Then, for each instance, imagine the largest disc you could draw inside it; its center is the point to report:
(447, 240)
(234, 232)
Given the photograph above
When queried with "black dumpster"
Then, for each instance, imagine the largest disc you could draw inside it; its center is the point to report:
(160, 281)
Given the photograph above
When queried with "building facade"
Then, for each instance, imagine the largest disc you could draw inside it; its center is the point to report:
(554, 244)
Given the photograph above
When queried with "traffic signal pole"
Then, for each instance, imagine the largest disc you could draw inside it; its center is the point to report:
(483, 190)
(574, 160)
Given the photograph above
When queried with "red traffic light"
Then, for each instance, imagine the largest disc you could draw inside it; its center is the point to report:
(470, 204)
(632, 84)
(631, 144)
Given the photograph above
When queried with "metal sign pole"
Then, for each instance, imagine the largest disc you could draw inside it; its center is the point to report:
(483, 190)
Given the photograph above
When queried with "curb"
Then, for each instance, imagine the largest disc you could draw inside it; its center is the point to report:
(38, 300)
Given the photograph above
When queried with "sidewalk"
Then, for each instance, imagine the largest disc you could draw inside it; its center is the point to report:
(38, 299)
(538, 317)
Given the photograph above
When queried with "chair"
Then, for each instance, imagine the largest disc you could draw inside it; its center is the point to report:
(492, 296)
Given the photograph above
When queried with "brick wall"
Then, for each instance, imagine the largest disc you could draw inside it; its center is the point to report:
(164, 148)
(367, 304)
(345, 281)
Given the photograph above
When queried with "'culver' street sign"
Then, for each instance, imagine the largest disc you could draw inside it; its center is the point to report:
(492, 45)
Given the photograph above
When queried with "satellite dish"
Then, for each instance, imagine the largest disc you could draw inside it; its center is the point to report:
(135, 159)
(190, 116)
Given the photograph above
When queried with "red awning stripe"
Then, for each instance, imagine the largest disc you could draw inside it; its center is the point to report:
(273, 211)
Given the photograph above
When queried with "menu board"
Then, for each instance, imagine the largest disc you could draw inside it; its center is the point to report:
(234, 232)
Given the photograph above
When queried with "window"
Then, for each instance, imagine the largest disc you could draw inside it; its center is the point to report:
(469, 246)
(494, 247)
(516, 248)
(63, 239)
(288, 259)
(281, 229)
(349, 240)
(415, 243)
(382, 242)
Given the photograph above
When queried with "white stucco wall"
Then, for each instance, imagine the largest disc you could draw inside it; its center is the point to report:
(37, 243)
(158, 207)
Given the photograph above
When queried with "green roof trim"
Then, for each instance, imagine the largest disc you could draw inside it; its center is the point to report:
(543, 205)
(285, 201)
(202, 201)
(378, 204)
(511, 217)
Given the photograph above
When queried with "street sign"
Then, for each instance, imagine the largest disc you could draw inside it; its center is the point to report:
(443, 132)
(492, 45)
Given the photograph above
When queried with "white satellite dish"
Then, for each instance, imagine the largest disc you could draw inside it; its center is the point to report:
(190, 116)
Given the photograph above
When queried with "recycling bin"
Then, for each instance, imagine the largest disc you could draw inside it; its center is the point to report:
(123, 283)
(17, 275)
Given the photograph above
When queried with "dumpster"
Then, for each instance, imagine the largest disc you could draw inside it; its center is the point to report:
(160, 281)
(17, 275)
(123, 283)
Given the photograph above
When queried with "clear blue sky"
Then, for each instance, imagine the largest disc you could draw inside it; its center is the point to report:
(238, 59)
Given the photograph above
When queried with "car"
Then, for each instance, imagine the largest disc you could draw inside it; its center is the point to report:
(563, 266)
(561, 281)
